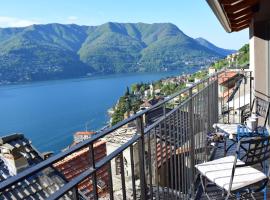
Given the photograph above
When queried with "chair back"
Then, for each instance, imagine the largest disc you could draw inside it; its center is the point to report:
(261, 108)
(254, 150)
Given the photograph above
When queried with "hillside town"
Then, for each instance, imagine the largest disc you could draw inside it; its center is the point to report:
(141, 96)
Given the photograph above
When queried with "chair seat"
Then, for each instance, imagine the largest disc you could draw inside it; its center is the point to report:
(219, 172)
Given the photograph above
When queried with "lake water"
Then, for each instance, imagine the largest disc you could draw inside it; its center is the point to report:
(49, 113)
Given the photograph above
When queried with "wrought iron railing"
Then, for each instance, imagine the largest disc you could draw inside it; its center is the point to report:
(157, 162)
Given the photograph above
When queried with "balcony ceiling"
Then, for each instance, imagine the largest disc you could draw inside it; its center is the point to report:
(234, 15)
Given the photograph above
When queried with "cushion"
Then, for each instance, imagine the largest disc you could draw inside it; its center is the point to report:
(219, 172)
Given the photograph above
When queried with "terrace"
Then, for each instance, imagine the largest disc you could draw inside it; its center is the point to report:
(158, 161)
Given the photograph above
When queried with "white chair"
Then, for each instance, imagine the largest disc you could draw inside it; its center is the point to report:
(235, 175)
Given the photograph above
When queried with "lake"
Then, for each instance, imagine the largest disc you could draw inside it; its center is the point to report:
(49, 113)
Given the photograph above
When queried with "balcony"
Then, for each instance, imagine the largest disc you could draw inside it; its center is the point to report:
(151, 155)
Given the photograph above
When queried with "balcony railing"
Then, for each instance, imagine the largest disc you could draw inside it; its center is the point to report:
(157, 162)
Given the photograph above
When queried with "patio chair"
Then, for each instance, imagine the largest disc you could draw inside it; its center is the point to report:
(236, 175)
(262, 108)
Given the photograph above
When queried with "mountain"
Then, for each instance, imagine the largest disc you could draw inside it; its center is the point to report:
(41, 52)
(209, 45)
(56, 51)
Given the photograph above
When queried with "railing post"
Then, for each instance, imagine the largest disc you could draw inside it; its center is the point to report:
(123, 181)
(208, 106)
(216, 100)
(110, 181)
(228, 94)
(132, 172)
(94, 176)
(250, 91)
(192, 142)
(166, 150)
(75, 193)
(140, 131)
(207, 116)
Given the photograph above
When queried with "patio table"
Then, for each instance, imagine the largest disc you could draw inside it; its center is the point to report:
(235, 132)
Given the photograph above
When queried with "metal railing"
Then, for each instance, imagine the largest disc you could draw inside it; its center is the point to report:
(157, 162)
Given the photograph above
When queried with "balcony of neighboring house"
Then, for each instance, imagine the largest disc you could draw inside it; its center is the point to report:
(160, 152)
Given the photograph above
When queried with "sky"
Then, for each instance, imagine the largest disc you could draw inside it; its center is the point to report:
(193, 17)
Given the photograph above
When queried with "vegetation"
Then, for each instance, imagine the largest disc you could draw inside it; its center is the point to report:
(132, 99)
(199, 75)
(126, 104)
(54, 51)
(171, 88)
(241, 60)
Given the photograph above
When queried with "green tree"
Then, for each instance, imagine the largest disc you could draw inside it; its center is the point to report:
(134, 88)
(127, 92)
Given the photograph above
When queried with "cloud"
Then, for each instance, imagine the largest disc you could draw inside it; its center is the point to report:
(72, 19)
(15, 22)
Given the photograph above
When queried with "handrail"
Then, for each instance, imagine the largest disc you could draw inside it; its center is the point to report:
(50, 161)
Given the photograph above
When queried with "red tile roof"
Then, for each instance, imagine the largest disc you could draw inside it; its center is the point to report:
(85, 133)
(225, 76)
(78, 162)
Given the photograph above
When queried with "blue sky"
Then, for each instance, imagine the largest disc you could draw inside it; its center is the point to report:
(194, 17)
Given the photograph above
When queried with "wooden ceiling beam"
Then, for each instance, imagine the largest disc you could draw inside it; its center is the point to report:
(233, 2)
(240, 27)
(247, 21)
(242, 13)
(236, 29)
(229, 2)
(242, 5)
(242, 18)
(243, 23)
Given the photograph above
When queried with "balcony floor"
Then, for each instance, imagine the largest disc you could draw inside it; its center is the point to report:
(215, 193)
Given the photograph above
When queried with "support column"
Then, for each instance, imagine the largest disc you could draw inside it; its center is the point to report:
(259, 51)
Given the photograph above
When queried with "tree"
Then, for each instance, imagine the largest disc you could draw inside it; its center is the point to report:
(134, 88)
(127, 92)
(128, 105)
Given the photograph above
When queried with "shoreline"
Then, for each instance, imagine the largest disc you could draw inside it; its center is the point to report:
(96, 76)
